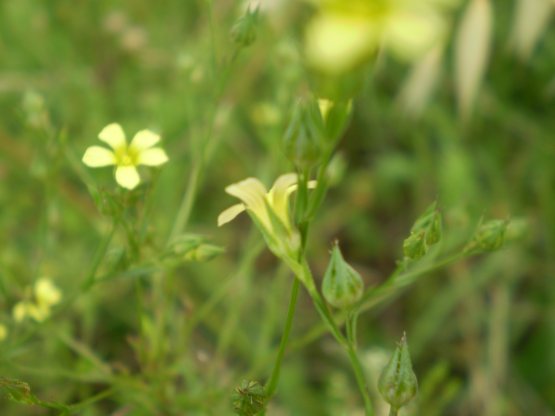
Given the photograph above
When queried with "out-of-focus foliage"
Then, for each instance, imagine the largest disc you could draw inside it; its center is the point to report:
(155, 317)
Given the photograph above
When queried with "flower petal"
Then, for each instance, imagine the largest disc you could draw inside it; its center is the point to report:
(96, 157)
(230, 214)
(127, 177)
(46, 293)
(411, 33)
(113, 135)
(252, 193)
(144, 139)
(335, 43)
(152, 157)
(278, 196)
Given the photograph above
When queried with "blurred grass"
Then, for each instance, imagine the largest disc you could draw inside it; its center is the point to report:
(482, 331)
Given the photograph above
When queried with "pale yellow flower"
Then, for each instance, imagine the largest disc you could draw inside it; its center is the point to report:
(269, 210)
(258, 201)
(46, 295)
(344, 34)
(126, 157)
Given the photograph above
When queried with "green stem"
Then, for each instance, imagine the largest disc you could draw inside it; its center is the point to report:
(393, 411)
(271, 386)
(187, 202)
(100, 254)
(327, 317)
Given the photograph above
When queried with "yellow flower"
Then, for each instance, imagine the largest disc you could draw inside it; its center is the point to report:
(125, 157)
(269, 209)
(46, 295)
(344, 34)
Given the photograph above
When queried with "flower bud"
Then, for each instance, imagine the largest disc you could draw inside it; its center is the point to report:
(243, 31)
(336, 116)
(249, 399)
(398, 383)
(191, 247)
(303, 138)
(490, 236)
(425, 232)
(342, 286)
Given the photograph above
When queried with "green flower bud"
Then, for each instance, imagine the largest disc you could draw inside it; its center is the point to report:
(304, 136)
(425, 232)
(336, 116)
(342, 286)
(249, 399)
(243, 31)
(191, 247)
(398, 383)
(490, 236)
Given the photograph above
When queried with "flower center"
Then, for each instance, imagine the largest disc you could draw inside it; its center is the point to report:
(126, 156)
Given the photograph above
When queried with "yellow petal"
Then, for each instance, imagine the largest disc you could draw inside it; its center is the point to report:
(337, 43)
(39, 312)
(127, 177)
(252, 193)
(152, 157)
(293, 188)
(411, 33)
(46, 293)
(20, 311)
(144, 139)
(113, 135)
(230, 214)
(278, 197)
(96, 157)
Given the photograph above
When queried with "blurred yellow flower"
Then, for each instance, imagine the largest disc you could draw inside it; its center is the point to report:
(125, 157)
(46, 295)
(345, 33)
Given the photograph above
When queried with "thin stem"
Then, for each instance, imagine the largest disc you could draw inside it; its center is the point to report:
(271, 386)
(336, 332)
(186, 207)
(100, 254)
(393, 411)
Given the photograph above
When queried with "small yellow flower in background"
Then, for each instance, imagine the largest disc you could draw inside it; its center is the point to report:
(3, 332)
(126, 157)
(344, 34)
(46, 296)
(269, 210)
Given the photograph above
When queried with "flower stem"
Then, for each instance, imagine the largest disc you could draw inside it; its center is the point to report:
(393, 411)
(187, 202)
(271, 386)
(327, 317)
(100, 254)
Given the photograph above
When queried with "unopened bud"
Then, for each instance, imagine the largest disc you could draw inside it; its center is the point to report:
(342, 286)
(304, 136)
(243, 31)
(398, 383)
(336, 116)
(425, 232)
(490, 236)
(204, 252)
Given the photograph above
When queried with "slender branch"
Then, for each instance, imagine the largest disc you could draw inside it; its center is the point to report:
(271, 386)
